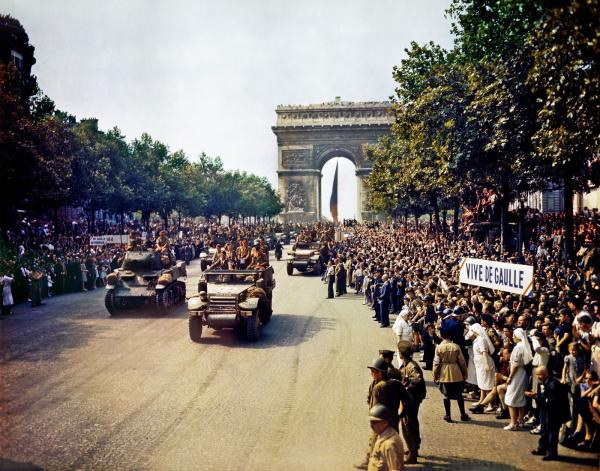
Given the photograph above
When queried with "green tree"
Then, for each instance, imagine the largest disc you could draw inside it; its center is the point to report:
(565, 73)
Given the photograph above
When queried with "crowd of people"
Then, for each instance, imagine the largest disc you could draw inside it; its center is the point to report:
(41, 258)
(532, 360)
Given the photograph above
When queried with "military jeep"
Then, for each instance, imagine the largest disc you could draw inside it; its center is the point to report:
(237, 299)
(305, 257)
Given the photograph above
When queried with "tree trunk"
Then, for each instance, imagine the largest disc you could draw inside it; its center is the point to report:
(521, 237)
(436, 210)
(455, 222)
(56, 229)
(122, 223)
(504, 225)
(568, 195)
(416, 220)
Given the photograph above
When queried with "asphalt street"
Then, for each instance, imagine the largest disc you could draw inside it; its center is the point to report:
(80, 390)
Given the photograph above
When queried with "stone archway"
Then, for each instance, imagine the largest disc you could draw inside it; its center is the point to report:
(308, 136)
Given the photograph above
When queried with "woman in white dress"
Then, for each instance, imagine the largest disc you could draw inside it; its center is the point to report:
(517, 379)
(485, 369)
(402, 327)
(7, 297)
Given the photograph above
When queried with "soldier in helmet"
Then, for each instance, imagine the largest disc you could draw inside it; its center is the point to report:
(135, 243)
(163, 244)
(413, 381)
(387, 451)
(386, 392)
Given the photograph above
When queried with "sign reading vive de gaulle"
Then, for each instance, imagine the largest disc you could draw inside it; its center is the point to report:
(510, 277)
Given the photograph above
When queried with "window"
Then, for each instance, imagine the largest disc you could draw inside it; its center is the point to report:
(17, 59)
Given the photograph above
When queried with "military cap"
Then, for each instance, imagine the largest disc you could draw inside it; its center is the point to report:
(378, 364)
(386, 353)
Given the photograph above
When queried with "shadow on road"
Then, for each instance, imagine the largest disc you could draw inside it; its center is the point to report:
(285, 330)
(46, 342)
(439, 463)
(10, 465)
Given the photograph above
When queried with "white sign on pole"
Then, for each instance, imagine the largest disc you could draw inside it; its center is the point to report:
(109, 239)
(97, 240)
(510, 277)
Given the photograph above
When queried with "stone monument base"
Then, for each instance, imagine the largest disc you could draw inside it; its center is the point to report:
(297, 217)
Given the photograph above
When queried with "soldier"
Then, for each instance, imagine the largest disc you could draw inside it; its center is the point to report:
(388, 356)
(260, 258)
(242, 253)
(35, 276)
(381, 392)
(450, 372)
(163, 245)
(135, 243)
(387, 450)
(412, 379)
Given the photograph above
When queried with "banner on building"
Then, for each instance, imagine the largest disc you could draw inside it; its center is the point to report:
(509, 277)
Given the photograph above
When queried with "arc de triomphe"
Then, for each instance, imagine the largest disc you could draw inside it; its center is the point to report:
(310, 135)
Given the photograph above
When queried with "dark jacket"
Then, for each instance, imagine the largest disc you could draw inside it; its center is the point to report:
(553, 400)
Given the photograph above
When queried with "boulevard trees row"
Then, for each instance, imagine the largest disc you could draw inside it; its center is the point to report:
(49, 159)
(513, 106)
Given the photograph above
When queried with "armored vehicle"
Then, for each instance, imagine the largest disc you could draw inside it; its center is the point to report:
(305, 257)
(238, 299)
(143, 280)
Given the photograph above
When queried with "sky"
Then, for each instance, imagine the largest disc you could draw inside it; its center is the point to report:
(207, 75)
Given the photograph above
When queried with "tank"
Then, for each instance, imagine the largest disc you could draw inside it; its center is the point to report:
(144, 280)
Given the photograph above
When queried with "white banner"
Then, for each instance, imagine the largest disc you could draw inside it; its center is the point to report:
(109, 239)
(97, 240)
(510, 277)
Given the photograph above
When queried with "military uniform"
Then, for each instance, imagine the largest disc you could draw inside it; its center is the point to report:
(412, 378)
(387, 454)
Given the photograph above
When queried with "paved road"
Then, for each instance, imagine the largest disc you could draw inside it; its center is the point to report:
(81, 390)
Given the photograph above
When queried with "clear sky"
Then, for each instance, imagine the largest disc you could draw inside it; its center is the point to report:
(206, 75)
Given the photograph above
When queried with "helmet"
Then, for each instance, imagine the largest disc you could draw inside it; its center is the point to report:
(379, 364)
(447, 312)
(470, 320)
(458, 310)
(380, 412)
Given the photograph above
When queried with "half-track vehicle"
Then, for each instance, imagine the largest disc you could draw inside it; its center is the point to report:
(143, 280)
(236, 299)
(305, 257)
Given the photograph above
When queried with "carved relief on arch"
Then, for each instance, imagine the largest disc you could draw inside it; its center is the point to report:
(295, 158)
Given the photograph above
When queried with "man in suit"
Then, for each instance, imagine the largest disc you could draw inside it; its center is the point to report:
(552, 401)
(384, 302)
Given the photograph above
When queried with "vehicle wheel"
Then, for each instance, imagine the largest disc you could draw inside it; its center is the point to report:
(264, 308)
(164, 300)
(195, 325)
(290, 269)
(252, 327)
(109, 302)
(180, 294)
